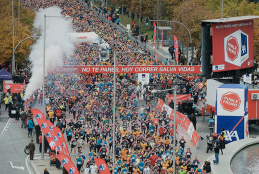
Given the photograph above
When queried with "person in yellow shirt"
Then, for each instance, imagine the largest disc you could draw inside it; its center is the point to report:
(51, 116)
(136, 170)
(124, 153)
(171, 169)
(124, 132)
(143, 145)
(138, 132)
(6, 102)
(165, 165)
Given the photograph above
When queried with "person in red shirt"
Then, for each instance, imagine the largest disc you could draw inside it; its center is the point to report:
(161, 131)
(153, 159)
(58, 113)
(40, 141)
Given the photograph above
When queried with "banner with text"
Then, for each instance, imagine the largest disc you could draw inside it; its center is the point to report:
(181, 120)
(129, 69)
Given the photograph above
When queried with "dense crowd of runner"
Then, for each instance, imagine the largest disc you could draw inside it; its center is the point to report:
(143, 135)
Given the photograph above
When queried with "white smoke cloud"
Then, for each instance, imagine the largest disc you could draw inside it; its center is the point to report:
(56, 45)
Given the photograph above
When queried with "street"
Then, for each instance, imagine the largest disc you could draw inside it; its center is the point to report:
(13, 139)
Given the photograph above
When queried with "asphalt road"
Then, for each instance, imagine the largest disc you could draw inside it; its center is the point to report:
(13, 139)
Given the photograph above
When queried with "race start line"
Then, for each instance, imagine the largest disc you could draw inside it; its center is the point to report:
(130, 69)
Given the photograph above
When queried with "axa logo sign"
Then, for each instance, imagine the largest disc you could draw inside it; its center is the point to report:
(65, 161)
(230, 101)
(231, 135)
(102, 167)
(236, 48)
(72, 170)
(38, 116)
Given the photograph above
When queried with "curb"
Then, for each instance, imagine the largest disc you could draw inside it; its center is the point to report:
(34, 167)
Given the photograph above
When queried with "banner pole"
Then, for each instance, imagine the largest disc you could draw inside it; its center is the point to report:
(43, 84)
(174, 128)
(113, 124)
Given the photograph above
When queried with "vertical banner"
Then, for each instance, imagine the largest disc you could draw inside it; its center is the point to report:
(68, 164)
(61, 139)
(154, 36)
(102, 166)
(154, 42)
(162, 39)
(176, 49)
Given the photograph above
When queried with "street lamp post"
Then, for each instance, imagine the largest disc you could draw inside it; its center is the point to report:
(19, 4)
(222, 10)
(183, 26)
(43, 82)
(140, 17)
(114, 95)
(13, 60)
(156, 91)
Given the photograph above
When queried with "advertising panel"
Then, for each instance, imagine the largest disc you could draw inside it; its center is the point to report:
(143, 78)
(129, 69)
(232, 111)
(234, 127)
(247, 78)
(232, 44)
(230, 102)
(14, 87)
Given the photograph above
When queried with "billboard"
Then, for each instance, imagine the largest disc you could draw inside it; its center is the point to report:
(232, 111)
(232, 45)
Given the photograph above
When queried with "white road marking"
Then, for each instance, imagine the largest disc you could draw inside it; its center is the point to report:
(16, 167)
(26, 162)
(210, 158)
(5, 128)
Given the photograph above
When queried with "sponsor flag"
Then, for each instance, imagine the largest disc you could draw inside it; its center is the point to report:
(62, 140)
(154, 36)
(47, 129)
(102, 166)
(154, 42)
(67, 163)
(176, 49)
(38, 116)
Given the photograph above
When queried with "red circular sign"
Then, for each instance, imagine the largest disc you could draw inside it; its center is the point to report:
(232, 48)
(230, 101)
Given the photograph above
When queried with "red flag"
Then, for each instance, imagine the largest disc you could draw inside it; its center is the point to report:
(67, 163)
(154, 36)
(102, 166)
(156, 57)
(176, 49)
(62, 140)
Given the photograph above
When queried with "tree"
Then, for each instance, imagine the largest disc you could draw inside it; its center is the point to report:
(22, 30)
(194, 12)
